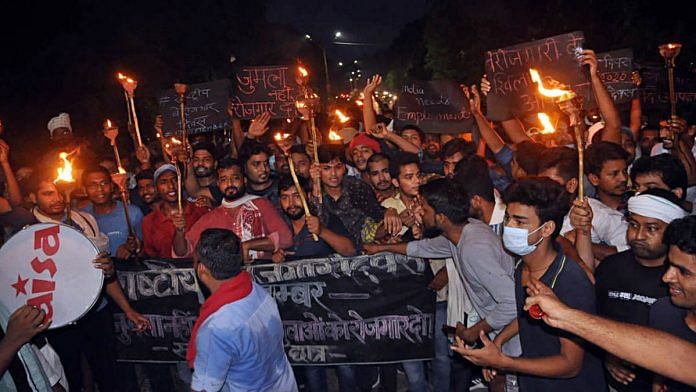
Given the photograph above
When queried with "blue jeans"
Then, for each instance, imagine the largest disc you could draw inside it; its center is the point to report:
(415, 373)
(442, 362)
(316, 378)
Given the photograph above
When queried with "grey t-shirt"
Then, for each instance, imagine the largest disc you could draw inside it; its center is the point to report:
(486, 270)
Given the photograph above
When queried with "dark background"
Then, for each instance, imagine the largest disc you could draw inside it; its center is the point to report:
(63, 56)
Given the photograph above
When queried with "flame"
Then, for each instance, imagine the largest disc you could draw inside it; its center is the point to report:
(158, 135)
(334, 136)
(175, 140)
(546, 122)
(303, 71)
(300, 105)
(65, 172)
(342, 118)
(551, 93)
(280, 136)
(288, 120)
(108, 123)
(124, 77)
(359, 102)
(121, 170)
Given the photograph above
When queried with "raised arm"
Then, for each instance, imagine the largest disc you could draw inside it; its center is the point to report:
(369, 117)
(13, 193)
(612, 120)
(488, 134)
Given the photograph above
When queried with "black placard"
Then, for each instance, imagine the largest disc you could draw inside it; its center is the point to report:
(437, 106)
(262, 89)
(512, 91)
(363, 309)
(654, 91)
(205, 108)
(614, 69)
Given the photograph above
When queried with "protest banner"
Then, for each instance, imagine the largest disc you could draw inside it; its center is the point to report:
(437, 106)
(335, 310)
(614, 69)
(263, 89)
(206, 108)
(512, 91)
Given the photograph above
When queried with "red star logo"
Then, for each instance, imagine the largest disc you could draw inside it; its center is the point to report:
(20, 286)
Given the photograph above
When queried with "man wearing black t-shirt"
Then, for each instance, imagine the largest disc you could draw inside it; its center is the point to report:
(551, 359)
(629, 282)
(677, 315)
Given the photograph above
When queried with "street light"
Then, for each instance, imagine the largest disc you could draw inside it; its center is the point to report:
(337, 35)
(340, 63)
(355, 61)
(307, 36)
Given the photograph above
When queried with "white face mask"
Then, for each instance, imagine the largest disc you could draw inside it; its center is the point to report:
(515, 240)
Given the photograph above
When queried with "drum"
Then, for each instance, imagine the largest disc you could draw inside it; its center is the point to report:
(49, 266)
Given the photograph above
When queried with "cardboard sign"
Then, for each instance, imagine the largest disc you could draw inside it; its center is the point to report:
(436, 107)
(265, 89)
(513, 93)
(614, 69)
(205, 108)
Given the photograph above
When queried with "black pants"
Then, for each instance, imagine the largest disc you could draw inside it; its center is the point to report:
(93, 337)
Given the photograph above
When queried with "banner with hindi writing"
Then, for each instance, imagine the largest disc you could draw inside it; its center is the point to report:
(353, 310)
(437, 106)
(205, 108)
(166, 292)
(512, 91)
(614, 69)
(654, 91)
(335, 310)
(262, 89)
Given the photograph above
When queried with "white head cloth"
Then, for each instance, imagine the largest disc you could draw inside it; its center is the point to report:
(655, 207)
(60, 121)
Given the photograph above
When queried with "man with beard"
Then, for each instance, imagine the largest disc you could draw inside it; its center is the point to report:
(145, 186)
(63, 140)
(257, 168)
(430, 161)
(333, 236)
(201, 181)
(110, 214)
(677, 314)
(629, 282)
(380, 179)
(252, 218)
(480, 261)
(164, 229)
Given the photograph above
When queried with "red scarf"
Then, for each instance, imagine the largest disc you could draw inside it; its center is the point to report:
(232, 290)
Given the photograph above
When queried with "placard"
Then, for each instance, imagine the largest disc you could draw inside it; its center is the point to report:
(205, 108)
(263, 89)
(513, 93)
(437, 106)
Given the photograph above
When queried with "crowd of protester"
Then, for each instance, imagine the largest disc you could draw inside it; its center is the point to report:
(499, 217)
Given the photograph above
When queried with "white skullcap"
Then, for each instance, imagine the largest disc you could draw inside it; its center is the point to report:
(591, 131)
(655, 207)
(60, 121)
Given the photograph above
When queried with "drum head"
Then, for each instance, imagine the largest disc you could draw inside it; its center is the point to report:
(50, 266)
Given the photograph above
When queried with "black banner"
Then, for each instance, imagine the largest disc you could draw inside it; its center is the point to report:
(437, 106)
(265, 89)
(614, 68)
(164, 291)
(206, 108)
(363, 309)
(512, 91)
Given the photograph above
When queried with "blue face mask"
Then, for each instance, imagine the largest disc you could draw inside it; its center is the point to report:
(516, 240)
